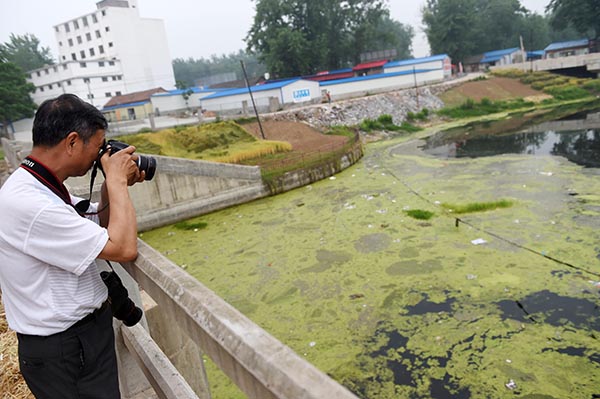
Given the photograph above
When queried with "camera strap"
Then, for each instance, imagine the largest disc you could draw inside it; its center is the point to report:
(49, 179)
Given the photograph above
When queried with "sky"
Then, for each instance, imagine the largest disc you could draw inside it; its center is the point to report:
(196, 29)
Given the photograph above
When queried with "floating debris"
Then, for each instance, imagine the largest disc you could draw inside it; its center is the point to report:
(332, 178)
(356, 296)
(471, 276)
(511, 385)
(478, 241)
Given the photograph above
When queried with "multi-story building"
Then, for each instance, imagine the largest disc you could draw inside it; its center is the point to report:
(111, 51)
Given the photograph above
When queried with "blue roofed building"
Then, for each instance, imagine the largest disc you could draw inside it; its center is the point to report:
(180, 100)
(566, 49)
(268, 97)
(440, 62)
(503, 57)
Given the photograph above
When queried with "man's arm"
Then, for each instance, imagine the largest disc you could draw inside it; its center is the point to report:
(119, 217)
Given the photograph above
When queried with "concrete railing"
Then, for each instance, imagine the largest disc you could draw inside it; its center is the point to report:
(260, 365)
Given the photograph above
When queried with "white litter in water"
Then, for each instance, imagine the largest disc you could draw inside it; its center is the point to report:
(478, 241)
(332, 178)
(511, 384)
(312, 344)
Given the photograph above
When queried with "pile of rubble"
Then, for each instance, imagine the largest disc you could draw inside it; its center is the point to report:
(351, 112)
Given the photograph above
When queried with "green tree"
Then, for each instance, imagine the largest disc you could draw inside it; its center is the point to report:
(298, 37)
(15, 102)
(188, 71)
(583, 15)
(25, 51)
(451, 27)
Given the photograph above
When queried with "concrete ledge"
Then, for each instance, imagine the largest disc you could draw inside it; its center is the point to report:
(255, 361)
(162, 375)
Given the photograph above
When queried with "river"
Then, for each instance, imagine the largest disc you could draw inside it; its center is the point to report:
(500, 303)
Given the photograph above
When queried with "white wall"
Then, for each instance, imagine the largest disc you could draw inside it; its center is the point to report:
(175, 102)
(387, 83)
(444, 64)
(301, 91)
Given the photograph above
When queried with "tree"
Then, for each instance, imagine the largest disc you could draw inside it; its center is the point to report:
(299, 37)
(188, 71)
(25, 51)
(15, 102)
(583, 15)
(450, 26)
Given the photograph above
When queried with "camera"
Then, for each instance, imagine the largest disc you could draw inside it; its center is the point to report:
(121, 306)
(144, 163)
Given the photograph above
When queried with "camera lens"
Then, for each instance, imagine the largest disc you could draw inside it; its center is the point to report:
(147, 164)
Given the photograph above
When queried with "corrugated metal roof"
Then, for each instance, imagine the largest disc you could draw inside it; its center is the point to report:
(126, 99)
(377, 76)
(369, 65)
(569, 44)
(125, 105)
(496, 55)
(244, 90)
(181, 91)
(438, 57)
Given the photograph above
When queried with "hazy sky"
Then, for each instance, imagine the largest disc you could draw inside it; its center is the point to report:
(194, 28)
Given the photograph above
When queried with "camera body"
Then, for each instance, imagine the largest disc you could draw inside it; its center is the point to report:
(121, 306)
(144, 163)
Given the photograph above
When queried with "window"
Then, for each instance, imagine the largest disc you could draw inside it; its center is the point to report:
(49, 87)
(71, 42)
(110, 44)
(107, 94)
(117, 93)
(104, 79)
(60, 44)
(67, 29)
(101, 49)
(86, 80)
(111, 63)
(90, 96)
(88, 36)
(92, 52)
(64, 65)
(103, 13)
(98, 34)
(38, 73)
(41, 88)
(83, 65)
(56, 28)
(107, 29)
(73, 57)
(114, 78)
(64, 58)
(119, 77)
(68, 83)
(55, 69)
(85, 22)
(76, 24)
(94, 19)
(79, 41)
(46, 72)
(101, 64)
(82, 54)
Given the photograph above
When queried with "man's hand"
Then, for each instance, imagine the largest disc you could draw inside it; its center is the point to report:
(122, 166)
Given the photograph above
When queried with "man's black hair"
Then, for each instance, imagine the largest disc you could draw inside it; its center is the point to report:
(57, 117)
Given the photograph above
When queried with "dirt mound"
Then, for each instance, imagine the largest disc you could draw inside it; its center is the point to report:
(301, 136)
(493, 88)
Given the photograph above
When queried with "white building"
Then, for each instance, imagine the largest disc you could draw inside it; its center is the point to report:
(111, 51)
(174, 101)
(268, 97)
(440, 62)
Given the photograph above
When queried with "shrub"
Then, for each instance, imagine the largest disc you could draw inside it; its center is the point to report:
(477, 206)
(419, 214)
(566, 92)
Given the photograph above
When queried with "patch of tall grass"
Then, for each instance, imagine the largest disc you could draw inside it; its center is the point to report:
(385, 122)
(477, 206)
(419, 214)
(219, 142)
(472, 108)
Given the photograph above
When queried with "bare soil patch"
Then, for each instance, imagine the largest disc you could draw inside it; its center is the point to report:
(301, 136)
(494, 88)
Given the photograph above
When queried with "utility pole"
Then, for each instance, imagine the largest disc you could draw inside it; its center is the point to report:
(416, 89)
(262, 133)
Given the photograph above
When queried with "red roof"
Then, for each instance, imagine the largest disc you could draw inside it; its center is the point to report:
(369, 65)
(133, 97)
(331, 76)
